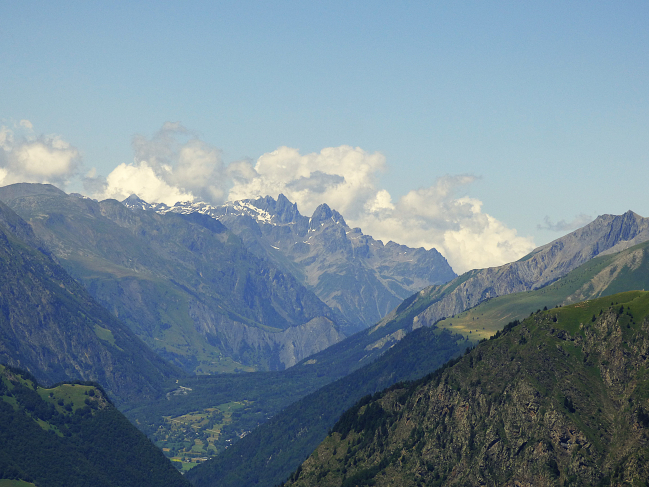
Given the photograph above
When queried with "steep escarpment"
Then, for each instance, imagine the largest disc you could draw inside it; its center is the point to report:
(559, 399)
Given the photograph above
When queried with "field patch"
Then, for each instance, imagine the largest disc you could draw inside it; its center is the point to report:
(197, 436)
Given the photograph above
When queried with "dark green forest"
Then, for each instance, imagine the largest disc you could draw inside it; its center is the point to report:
(71, 435)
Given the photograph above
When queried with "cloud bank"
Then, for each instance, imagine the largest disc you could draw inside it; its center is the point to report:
(25, 157)
(564, 226)
(174, 165)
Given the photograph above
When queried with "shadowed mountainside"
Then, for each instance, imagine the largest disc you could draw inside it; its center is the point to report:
(71, 435)
(50, 326)
(351, 272)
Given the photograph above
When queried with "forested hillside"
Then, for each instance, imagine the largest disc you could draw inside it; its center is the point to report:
(269, 453)
(561, 398)
(71, 435)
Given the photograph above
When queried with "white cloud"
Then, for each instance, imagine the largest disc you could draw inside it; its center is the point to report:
(42, 159)
(433, 217)
(175, 165)
(172, 166)
(141, 179)
(344, 177)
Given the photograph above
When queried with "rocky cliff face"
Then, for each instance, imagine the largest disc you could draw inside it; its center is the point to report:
(182, 282)
(50, 326)
(360, 277)
(608, 234)
(560, 399)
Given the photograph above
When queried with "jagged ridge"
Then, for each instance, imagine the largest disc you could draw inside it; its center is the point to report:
(183, 283)
(606, 235)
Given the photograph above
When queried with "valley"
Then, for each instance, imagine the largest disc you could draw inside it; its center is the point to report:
(222, 341)
(196, 437)
(494, 315)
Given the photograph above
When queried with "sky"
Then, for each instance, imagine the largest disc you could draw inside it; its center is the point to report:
(482, 129)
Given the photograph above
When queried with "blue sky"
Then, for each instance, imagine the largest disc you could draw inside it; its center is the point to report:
(542, 108)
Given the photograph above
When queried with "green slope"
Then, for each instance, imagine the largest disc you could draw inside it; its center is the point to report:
(265, 393)
(269, 453)
(71, 435)
(545, 265)
(601, 276)
(559, 399)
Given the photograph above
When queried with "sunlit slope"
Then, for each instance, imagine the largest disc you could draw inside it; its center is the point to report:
(602, 276)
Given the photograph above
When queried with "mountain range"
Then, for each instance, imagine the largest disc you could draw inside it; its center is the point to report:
(211, 300)
(607, 234)
(353, 273)
(272, 450)
(184, 284)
